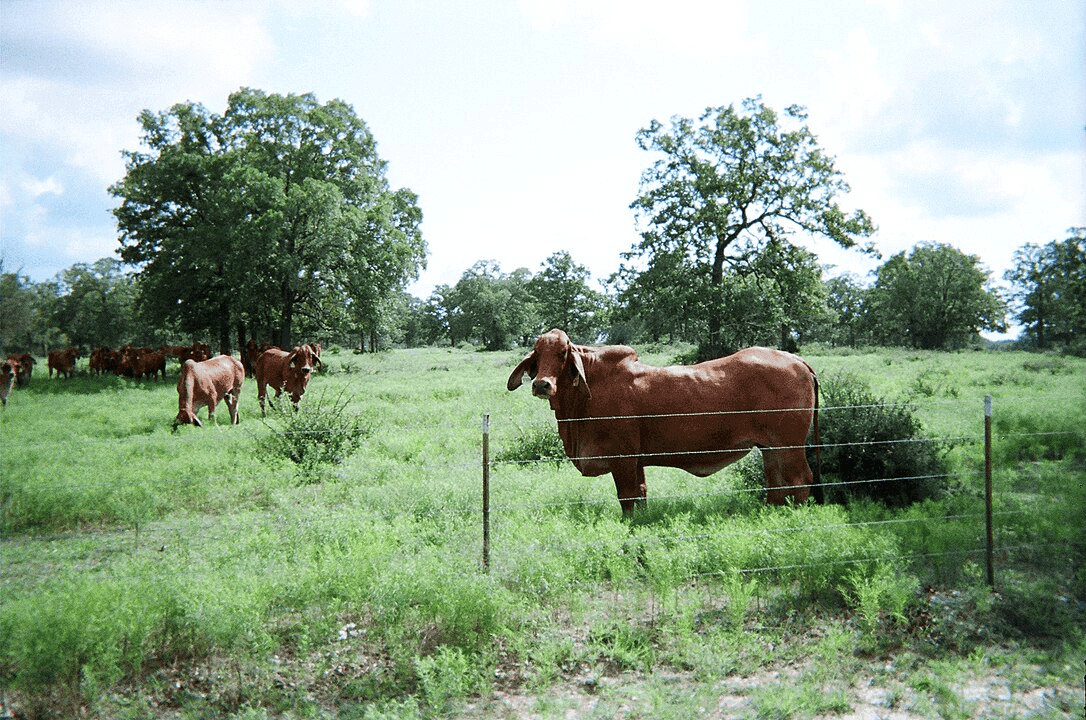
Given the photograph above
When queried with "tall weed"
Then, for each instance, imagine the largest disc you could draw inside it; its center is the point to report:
(1026, 435)
(321, 432)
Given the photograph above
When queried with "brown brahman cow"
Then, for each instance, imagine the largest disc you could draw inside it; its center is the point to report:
(283, 370)
(63, 361)
(138, 362)
(25, 369)
(204, 384)
(617, 415)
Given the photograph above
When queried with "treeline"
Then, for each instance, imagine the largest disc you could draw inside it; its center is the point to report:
(275, 220)
(935, 297)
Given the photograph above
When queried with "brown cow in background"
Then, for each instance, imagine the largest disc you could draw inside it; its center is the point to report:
(253, 351)
(104, 360)
(204, 384)
(285, 371)
(25, 368)
(198, 352)
(137, 362)
(63, 361)
(618, 415)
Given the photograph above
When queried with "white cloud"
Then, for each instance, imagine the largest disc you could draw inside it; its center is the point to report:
(856, 95)
(357, 8)
(35, 188)
(82, 73)
(689, 28)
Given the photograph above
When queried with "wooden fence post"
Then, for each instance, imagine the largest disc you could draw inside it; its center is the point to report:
(486, 492)
(988, 485)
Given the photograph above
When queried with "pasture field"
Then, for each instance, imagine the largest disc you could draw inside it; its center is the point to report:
(206, 573)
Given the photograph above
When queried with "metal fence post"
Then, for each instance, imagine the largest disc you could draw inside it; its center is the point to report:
(988, 485)
(486, 492)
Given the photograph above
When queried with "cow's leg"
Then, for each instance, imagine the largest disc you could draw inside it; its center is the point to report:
(787, 475)
(630, 483)
(232, 398)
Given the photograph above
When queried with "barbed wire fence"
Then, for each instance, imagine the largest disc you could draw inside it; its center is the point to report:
(477, 502)
(984, 519)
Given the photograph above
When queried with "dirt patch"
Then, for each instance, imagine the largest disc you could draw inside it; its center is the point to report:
(632, 695)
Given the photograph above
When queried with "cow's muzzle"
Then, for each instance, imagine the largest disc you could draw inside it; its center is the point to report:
(542, 388)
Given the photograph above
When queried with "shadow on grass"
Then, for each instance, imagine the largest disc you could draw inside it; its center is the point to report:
(86, 384)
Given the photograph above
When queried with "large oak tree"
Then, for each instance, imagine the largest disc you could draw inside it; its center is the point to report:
(273, 216)
(728, 188)
(1050, 290)
(934, 297)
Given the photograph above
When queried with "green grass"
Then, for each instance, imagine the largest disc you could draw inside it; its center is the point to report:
(201, 574)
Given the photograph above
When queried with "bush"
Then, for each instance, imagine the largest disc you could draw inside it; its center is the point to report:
(874, 449)
(535, 443)
(321, 432)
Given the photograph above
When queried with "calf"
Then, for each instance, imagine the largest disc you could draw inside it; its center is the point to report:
(8, 370)
(284, 371)
(204, 384)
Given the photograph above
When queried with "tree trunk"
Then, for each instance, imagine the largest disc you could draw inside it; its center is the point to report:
(224, 328)
(287, 319)
(241, 341)
(715, 347)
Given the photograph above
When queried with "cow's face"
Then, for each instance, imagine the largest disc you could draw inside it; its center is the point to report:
(554, 365)
(299, 368)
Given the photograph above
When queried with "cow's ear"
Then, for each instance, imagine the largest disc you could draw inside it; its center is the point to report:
(527, 365)
(576, 371)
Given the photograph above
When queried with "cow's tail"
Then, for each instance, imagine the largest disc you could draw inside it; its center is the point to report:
(818, 493)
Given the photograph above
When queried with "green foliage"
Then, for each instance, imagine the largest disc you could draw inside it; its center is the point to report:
(885, 591)
(937, 297)
(488, 306)
(282, 178)
(727, 190)
(874, 449)
(1024, 435)
(564, 300)
(233, 597)
(321, 432)
(740, 594)
(96, 304)
(1050, 289)
(448, 675)
(534, 443)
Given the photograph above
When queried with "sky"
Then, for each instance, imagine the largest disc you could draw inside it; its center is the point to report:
(514, 121)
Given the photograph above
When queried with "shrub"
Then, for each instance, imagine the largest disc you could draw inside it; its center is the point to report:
(534, 443)
(874, 449)
(319, 433)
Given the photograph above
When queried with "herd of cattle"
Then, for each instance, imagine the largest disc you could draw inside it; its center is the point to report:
(615, 414)
(204, 381)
